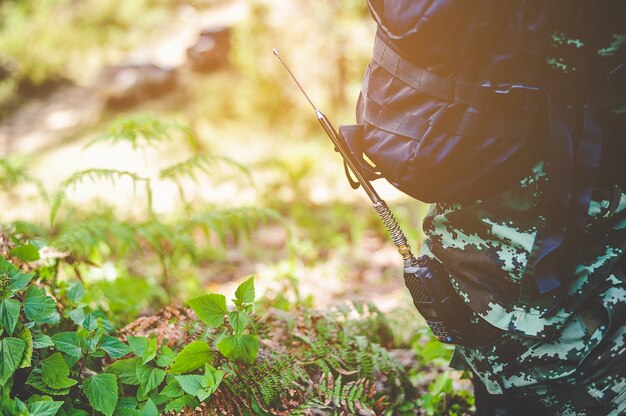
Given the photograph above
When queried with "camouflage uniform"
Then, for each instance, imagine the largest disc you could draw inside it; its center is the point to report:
(571, 361)
(506, 148)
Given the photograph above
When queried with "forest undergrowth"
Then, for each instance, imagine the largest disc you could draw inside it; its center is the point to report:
(138, 337)
(195, 254)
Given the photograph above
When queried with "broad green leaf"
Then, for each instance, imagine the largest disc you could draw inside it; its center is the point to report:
(101, 391)
(27, 337)
(192, 357)
(127, 412)
(35, 379)
(166, 356)
(138, 345)
(114, 347)
(150, 351)
(212, 377)
(11, 351)
(172, 389)
(182, 402)
(37, 305)
(90, 322)
(76, 292)
(245, 291)
(211, 309)
(127, 403)
(42, 341)
(56, 373)
(76, 315)
(150, 409)
(239, 321)
(149, 377)
(77, 412)
(11, 278)
(9, 313)
(91, 338)
(192, 384)
(44, 408)
(26, 252)
(126, 370)
(244, 348)
(69, 343)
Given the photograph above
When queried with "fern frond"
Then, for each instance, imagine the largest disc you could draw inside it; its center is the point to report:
(206, 164)
(157, 235)
(90, 235)
(94, 175)
(14, 173)
(229, 222)
(347, 397)
(140, 131)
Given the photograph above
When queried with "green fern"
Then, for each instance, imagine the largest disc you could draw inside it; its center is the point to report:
(13, 173)
(202, 163)
(346, 397)
(94, 175)
(229, 222)
(206, 164)
(140, 131)
(92, 235)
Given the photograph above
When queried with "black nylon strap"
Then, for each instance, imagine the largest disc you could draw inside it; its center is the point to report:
(454, 90)
(470, 124)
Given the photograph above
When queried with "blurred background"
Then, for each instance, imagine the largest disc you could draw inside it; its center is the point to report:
(162, 143)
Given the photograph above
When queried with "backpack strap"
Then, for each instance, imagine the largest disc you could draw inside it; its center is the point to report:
(481, 95)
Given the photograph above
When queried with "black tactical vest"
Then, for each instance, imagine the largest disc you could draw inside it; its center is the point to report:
(463, 98)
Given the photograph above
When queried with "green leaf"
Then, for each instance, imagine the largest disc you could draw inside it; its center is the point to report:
(90, 322)
(138, 345)
(149, 377)
(44, 408)
(69, 343)
(76, 315)
(26, 252)
(172, 389)
(11, 351)
(192, 384)
(101, 391)
(126, 403)
(239, 321)
(42, 341)
(182, 402)
(166, 356)
(245, 291)
(77, 412)
(26, 336)
(114, 347)
(244, 348)
(150, 409)
(192, 357)
(37, 305)
(150, 351)
(15, 278)
(212, 378)
(9, 313)
(211, 309)
(76, 292)
(126, 370)
(56, 373)
(35, 379)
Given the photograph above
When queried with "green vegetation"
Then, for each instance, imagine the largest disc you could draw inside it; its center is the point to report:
(126, 258)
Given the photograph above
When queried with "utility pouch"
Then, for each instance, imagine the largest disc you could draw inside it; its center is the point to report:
(448, 316)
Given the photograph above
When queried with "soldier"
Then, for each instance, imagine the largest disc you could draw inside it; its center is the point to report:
(510, 118)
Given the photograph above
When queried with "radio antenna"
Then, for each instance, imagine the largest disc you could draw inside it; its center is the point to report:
(294, 78)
